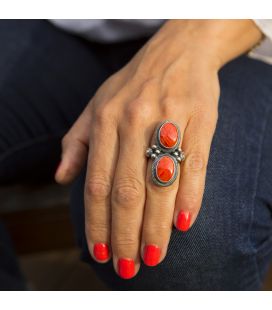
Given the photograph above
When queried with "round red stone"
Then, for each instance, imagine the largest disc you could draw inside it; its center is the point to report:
(165, 169)
(168, 135)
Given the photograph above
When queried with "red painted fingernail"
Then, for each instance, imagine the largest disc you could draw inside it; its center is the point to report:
(101, 251)
(151, 255)
(126, 268)
(183, 221)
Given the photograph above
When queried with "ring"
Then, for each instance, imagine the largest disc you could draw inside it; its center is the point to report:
(166, 153)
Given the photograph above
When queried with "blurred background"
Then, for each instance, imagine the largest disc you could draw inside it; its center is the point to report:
(36, 220)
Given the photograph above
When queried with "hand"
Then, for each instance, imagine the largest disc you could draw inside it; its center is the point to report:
(174, 77)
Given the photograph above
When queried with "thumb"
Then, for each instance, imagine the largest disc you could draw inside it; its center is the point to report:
(75, 146)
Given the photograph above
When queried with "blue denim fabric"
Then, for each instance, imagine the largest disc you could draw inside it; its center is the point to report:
(47, 77)
(230, 245)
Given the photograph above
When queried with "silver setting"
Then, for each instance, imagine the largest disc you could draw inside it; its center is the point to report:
(157, 151)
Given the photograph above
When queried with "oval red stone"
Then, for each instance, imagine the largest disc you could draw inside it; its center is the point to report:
(168, 135)
(165, 169)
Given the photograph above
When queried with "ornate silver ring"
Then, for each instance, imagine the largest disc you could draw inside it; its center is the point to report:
(166, 153)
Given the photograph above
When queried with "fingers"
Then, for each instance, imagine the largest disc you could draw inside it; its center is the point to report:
(74, 149)
(196, 145)
(76, 141)
(100, 169)
(128, 197)
(160, 203)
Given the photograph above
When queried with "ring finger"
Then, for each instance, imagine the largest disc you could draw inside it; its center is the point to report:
(160, 201)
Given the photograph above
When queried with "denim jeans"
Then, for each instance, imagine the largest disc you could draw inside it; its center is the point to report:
(47, 77)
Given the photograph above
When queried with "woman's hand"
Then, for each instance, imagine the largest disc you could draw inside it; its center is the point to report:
(173, 77)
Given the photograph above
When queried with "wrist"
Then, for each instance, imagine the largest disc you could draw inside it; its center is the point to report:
(215, 42)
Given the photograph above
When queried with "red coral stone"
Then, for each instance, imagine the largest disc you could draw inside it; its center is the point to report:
(168, 135)
(165, 169)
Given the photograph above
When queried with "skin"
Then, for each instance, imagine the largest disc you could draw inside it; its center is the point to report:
(175, 77)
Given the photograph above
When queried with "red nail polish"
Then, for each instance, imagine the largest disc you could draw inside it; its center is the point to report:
(126, 268)
(101, 251)
(183, 221)
(151, 255)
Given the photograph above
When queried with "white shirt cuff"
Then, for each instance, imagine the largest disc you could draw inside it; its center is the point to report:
(264, 50)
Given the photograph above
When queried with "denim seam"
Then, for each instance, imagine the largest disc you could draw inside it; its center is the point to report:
(255, 192)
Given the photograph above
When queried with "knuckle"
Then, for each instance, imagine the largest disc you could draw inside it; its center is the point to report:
(199, 110)
(98, 188)
(125, 240)
(195, 162)
(148, 85)
(169, 106)
(103, 114)
(96, 230)
(190, 199)
(161, 229)
(127, 191)
(137, 112)
(134, 112)
(206, 120)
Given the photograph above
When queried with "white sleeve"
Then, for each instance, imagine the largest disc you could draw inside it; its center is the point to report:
(264, 50)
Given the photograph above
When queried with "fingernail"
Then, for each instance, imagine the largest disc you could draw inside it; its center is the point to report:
(126, 268)
(183, 221)
(151, 255)
(101, 251)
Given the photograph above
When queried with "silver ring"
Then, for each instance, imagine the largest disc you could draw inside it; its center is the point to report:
(166, 153)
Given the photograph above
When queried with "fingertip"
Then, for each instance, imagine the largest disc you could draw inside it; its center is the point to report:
(61, 176)
(151, 255)
(73, 158)
(58, 174)
(183, 221)
(126, 267)
(101, 252)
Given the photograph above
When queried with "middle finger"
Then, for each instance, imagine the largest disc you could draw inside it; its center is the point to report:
(128, 198)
